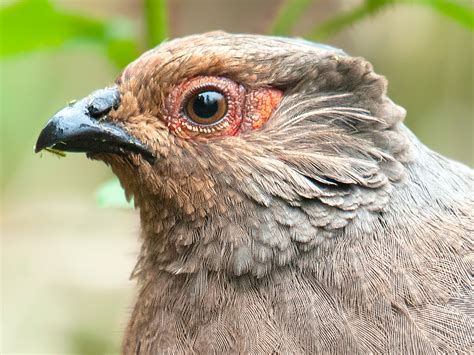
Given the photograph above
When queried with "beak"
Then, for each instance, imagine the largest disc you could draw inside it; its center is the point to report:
(80, 127)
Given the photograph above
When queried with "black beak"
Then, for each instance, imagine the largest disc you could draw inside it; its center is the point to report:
(80, 127)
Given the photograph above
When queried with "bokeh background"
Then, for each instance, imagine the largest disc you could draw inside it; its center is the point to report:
(65, 259)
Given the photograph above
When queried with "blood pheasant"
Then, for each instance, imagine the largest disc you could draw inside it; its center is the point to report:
(284, 206)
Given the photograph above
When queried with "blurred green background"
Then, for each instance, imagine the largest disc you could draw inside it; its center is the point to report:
(65, 260)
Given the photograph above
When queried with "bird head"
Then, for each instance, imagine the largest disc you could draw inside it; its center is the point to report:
(241, 151)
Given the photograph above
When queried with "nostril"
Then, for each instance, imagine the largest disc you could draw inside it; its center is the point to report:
(99, 107)
(102, 101)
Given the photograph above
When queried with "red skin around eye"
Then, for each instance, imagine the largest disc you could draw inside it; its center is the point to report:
(259, 105)
(246, 109)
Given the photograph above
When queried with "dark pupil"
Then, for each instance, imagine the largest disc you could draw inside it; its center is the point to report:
(206, 104)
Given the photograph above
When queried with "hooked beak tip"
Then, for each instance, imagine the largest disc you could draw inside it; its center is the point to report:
(79, 127)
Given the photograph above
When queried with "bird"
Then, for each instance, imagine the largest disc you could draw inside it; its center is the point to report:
(284, 205)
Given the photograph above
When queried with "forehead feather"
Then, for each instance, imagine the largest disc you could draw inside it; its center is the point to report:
(250, 59)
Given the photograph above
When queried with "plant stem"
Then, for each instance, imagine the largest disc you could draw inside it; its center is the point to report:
(338, 23)
(156, 12)
(289, 13)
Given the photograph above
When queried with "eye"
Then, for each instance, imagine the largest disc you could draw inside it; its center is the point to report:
(206, 107)
(211, 106)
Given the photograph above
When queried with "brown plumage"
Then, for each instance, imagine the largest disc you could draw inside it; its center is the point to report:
(325, 228)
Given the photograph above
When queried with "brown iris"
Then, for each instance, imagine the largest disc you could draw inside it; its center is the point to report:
(206, 107)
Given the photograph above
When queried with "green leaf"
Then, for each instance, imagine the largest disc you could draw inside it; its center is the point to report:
(289, 13)
(42, 26)
(32, 25)
(111, 194)
(462, 14)
(156, 12)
